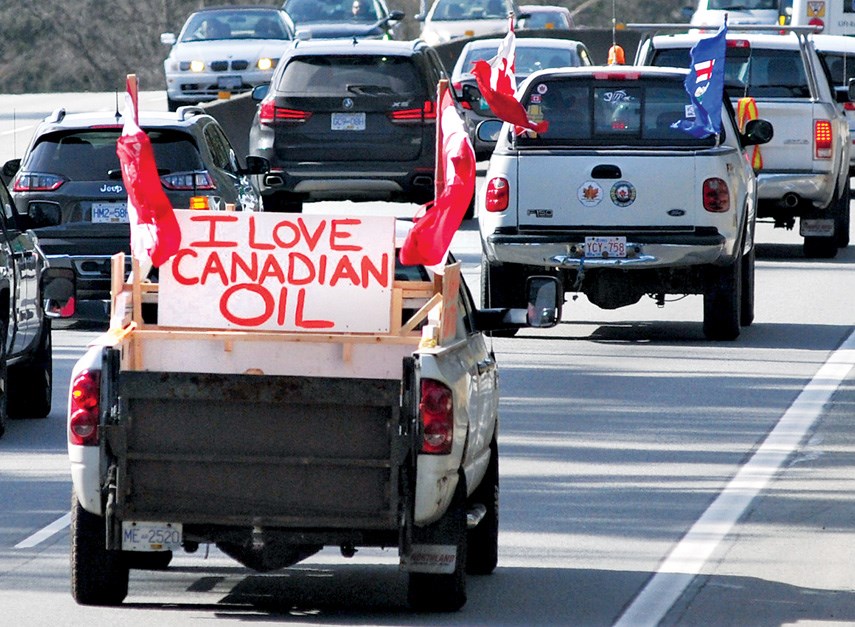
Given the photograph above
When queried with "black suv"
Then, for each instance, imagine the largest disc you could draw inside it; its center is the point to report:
(69, 184)
(348, 120)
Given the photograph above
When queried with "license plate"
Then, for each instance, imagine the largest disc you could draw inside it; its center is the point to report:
(229, 82)
(348, 121)
(605, 247)
(109, 212)
(816, 227)
(150, 536)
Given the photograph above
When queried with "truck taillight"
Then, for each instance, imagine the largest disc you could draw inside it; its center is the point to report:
(716, 195)
(498, 194)
(85, 406)
(822, 139)
(437, 413)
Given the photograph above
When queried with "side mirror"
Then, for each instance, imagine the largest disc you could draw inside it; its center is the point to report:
(396, 16)
(757, 132)
(167, 39)
(10, 168)
(58, 288)
(488, 130)
(256, 165)
(471, 94)
(259, 92)
(545, 298)
(851, 89)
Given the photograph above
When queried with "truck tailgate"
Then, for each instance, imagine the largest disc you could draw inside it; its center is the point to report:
(607, 190)
(259, 450)
(791, 147)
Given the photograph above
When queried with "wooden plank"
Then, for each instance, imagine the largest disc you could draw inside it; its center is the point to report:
(421, 314)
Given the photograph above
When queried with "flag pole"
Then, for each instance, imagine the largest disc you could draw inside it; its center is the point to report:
(133, 90)
(439, 174)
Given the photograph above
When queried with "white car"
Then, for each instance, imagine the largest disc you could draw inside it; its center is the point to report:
(711, 13)
(838, 56)
(453, 19)
(224, 51)
(545, 17)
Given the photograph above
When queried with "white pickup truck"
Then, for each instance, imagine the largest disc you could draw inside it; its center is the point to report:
(617, 201)
(299, 390)
(803, 172)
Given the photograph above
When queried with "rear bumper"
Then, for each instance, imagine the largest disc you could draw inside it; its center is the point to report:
(644, 250)
(351, 182)
(816, 187)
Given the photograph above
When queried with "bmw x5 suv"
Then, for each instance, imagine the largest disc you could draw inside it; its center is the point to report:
(348, 120)
(69, 183)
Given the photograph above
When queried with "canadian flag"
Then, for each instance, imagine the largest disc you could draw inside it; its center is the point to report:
(428, 241)
(155, 234)
(497, 84)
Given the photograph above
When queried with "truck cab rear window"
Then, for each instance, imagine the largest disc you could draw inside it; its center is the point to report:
(632, 113)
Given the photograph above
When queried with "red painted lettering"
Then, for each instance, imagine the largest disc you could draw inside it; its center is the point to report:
(214, 265)
(249, 269)
(265, 295)
(176, 271)
(213, 219)
(308, 274)
(336, 233)
(344, 270)
(300, 321)
(252, 242)
(283, 306)
(271, 268)
(280, 239)
(381, 274)
(311, 238)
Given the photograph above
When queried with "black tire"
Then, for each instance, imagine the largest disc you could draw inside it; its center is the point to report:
(98, 576)
(172, 105)
(502, 285)
(482, 542)
(428, 592)
(747, 313)
(31, 383)
(4, 377)
(723, 302)
(470, 210)
(842, 221)
(820, 247)
(143, 560)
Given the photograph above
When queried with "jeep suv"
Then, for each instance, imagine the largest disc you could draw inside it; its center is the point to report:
(348, 120)
(69, 183)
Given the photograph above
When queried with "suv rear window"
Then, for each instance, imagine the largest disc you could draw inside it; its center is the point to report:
(755, 72)
(359, 75)
(610, 112)
(88, 155)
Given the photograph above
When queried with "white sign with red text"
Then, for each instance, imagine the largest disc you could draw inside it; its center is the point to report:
(283, 272)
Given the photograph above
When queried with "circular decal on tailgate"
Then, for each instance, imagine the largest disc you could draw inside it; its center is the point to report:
(590, 193)
(623, 193)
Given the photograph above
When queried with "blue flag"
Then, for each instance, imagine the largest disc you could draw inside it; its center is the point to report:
(705, 84)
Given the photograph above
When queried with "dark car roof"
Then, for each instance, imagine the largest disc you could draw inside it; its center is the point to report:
(361, 46)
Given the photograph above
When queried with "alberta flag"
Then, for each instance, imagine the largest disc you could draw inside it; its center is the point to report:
(705, 84)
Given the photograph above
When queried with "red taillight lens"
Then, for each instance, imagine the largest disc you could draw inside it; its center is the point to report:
(188, 181)
(85, 406)
(498, 195)
(427, 112)
(268, 114)
(37, 182)
(437, 413)
(739, 43)
(716, 195)
(822, 139)
(849, 106)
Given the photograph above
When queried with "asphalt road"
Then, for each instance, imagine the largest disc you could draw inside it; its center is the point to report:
(647, 475)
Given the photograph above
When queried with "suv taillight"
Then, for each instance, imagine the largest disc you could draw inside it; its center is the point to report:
(427, 112)
(188, 181)
(268, 113)
(822, 139)
(498, 195)
(37, 182)
(437, 413)
(84, 407)
(716, 195)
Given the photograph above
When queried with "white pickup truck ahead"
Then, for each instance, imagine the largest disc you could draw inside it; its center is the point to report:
(803, 172)
(299, 390)
(617, 201)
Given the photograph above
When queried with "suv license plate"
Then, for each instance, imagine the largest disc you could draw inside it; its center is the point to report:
(109, 212)
(228, 83)
(150, 536)
(816, 227)
(348, 122)
(604, 247)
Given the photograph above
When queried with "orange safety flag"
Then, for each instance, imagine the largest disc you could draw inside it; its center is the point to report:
(616, 56)
(746, 110)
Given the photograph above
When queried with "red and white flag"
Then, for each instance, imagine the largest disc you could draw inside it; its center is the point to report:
(155, 234)
(497, 83)
(428, 241)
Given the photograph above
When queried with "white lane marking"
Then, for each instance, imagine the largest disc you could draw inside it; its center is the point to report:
(43, 534)
(691, 553)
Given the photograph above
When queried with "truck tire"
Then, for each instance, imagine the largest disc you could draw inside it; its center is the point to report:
(842, 220)
(31, 383)
(482, 542)
(820, 247)
(4, 378)
(747, 313)
(723, 302)
(428, 592)
(98, 576)
(502, 285)
(142, 560)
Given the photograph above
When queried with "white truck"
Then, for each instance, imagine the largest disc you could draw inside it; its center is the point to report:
(617, 201)
(298, 390)
(803, 172)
